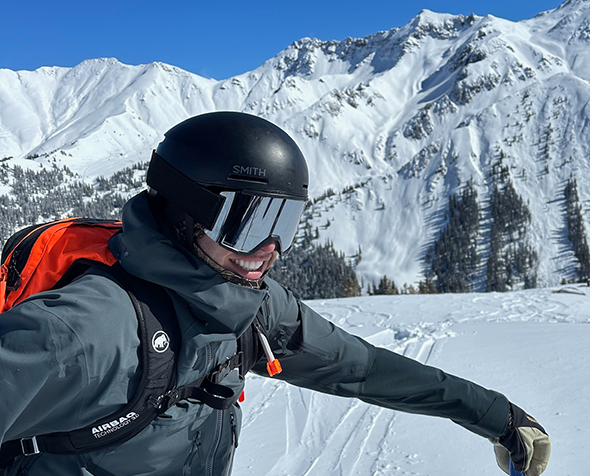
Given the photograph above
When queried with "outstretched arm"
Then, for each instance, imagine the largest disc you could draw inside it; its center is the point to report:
(318, 355)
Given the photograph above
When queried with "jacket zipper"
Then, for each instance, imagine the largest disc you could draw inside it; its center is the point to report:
(208, 355)
(218, 434)
(267, 309)
(234, 428)
(234, 433)
(186, 470)
(217, 437)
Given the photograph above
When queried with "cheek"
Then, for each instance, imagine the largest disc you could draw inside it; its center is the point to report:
(275, 254)
(204, 245)
(213, 250)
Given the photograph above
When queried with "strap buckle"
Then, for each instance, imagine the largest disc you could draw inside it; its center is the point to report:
(172, 397)
(167, 400)
(223, 370)
(29, 446)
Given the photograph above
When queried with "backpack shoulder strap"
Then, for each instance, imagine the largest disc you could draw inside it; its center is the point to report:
(249, 346)
(159, 340)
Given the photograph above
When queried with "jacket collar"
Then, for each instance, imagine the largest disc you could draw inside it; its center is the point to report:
(145, 248)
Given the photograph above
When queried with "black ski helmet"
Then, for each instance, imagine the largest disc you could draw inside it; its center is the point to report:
(205, 156)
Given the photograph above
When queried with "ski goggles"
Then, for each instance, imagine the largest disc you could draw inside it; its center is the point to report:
(246, 223)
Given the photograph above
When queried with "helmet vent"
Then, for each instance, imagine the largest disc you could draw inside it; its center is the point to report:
(247, 178)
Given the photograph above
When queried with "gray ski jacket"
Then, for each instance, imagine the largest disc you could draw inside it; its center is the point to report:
(69, 356)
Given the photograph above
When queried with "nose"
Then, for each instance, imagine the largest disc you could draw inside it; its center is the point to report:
(269, 248)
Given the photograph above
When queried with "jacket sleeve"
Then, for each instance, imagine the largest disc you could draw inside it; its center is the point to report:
(67, 358)
(316, 354)
(41, 364)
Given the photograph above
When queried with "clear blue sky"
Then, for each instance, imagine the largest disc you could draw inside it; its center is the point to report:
(217, 39)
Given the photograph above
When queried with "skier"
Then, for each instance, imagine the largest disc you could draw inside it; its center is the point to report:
(226, 191)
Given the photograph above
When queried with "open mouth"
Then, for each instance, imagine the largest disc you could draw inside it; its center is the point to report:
(248, 265)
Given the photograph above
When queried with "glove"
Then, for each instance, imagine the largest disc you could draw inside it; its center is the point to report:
(525, 442)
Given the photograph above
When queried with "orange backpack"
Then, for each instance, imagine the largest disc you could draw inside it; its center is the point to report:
(39, 257)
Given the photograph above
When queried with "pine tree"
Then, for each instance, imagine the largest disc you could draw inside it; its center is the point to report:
(386, 287)
(512, 260)
(452, 260)
(576, 229)
(316, 272)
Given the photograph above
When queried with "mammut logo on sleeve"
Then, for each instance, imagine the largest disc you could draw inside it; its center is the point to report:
(160, 342)
(107, 428)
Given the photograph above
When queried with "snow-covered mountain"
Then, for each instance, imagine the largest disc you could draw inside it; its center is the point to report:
(391, 125)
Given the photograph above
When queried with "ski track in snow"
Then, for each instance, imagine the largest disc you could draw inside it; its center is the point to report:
(335, 445)
(305, 433)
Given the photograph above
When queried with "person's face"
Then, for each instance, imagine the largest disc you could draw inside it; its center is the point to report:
(251, 266)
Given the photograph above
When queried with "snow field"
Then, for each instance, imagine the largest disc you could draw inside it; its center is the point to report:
(530, 345)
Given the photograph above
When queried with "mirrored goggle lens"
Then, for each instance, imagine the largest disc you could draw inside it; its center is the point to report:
(248, 222)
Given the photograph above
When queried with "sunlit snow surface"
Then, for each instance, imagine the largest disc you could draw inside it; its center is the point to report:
(533, 346)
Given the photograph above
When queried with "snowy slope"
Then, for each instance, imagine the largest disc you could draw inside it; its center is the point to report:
(529, 345)
(400, 119)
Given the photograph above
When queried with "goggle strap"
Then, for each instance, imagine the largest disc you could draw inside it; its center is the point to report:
(189, 231)
(189, 196)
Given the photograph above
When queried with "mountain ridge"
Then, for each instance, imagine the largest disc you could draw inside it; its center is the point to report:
(393, 123)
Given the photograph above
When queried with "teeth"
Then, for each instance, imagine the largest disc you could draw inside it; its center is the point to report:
(248, 265)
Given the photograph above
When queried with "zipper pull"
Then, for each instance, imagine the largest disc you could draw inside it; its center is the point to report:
(273, 366)
(234, 429)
